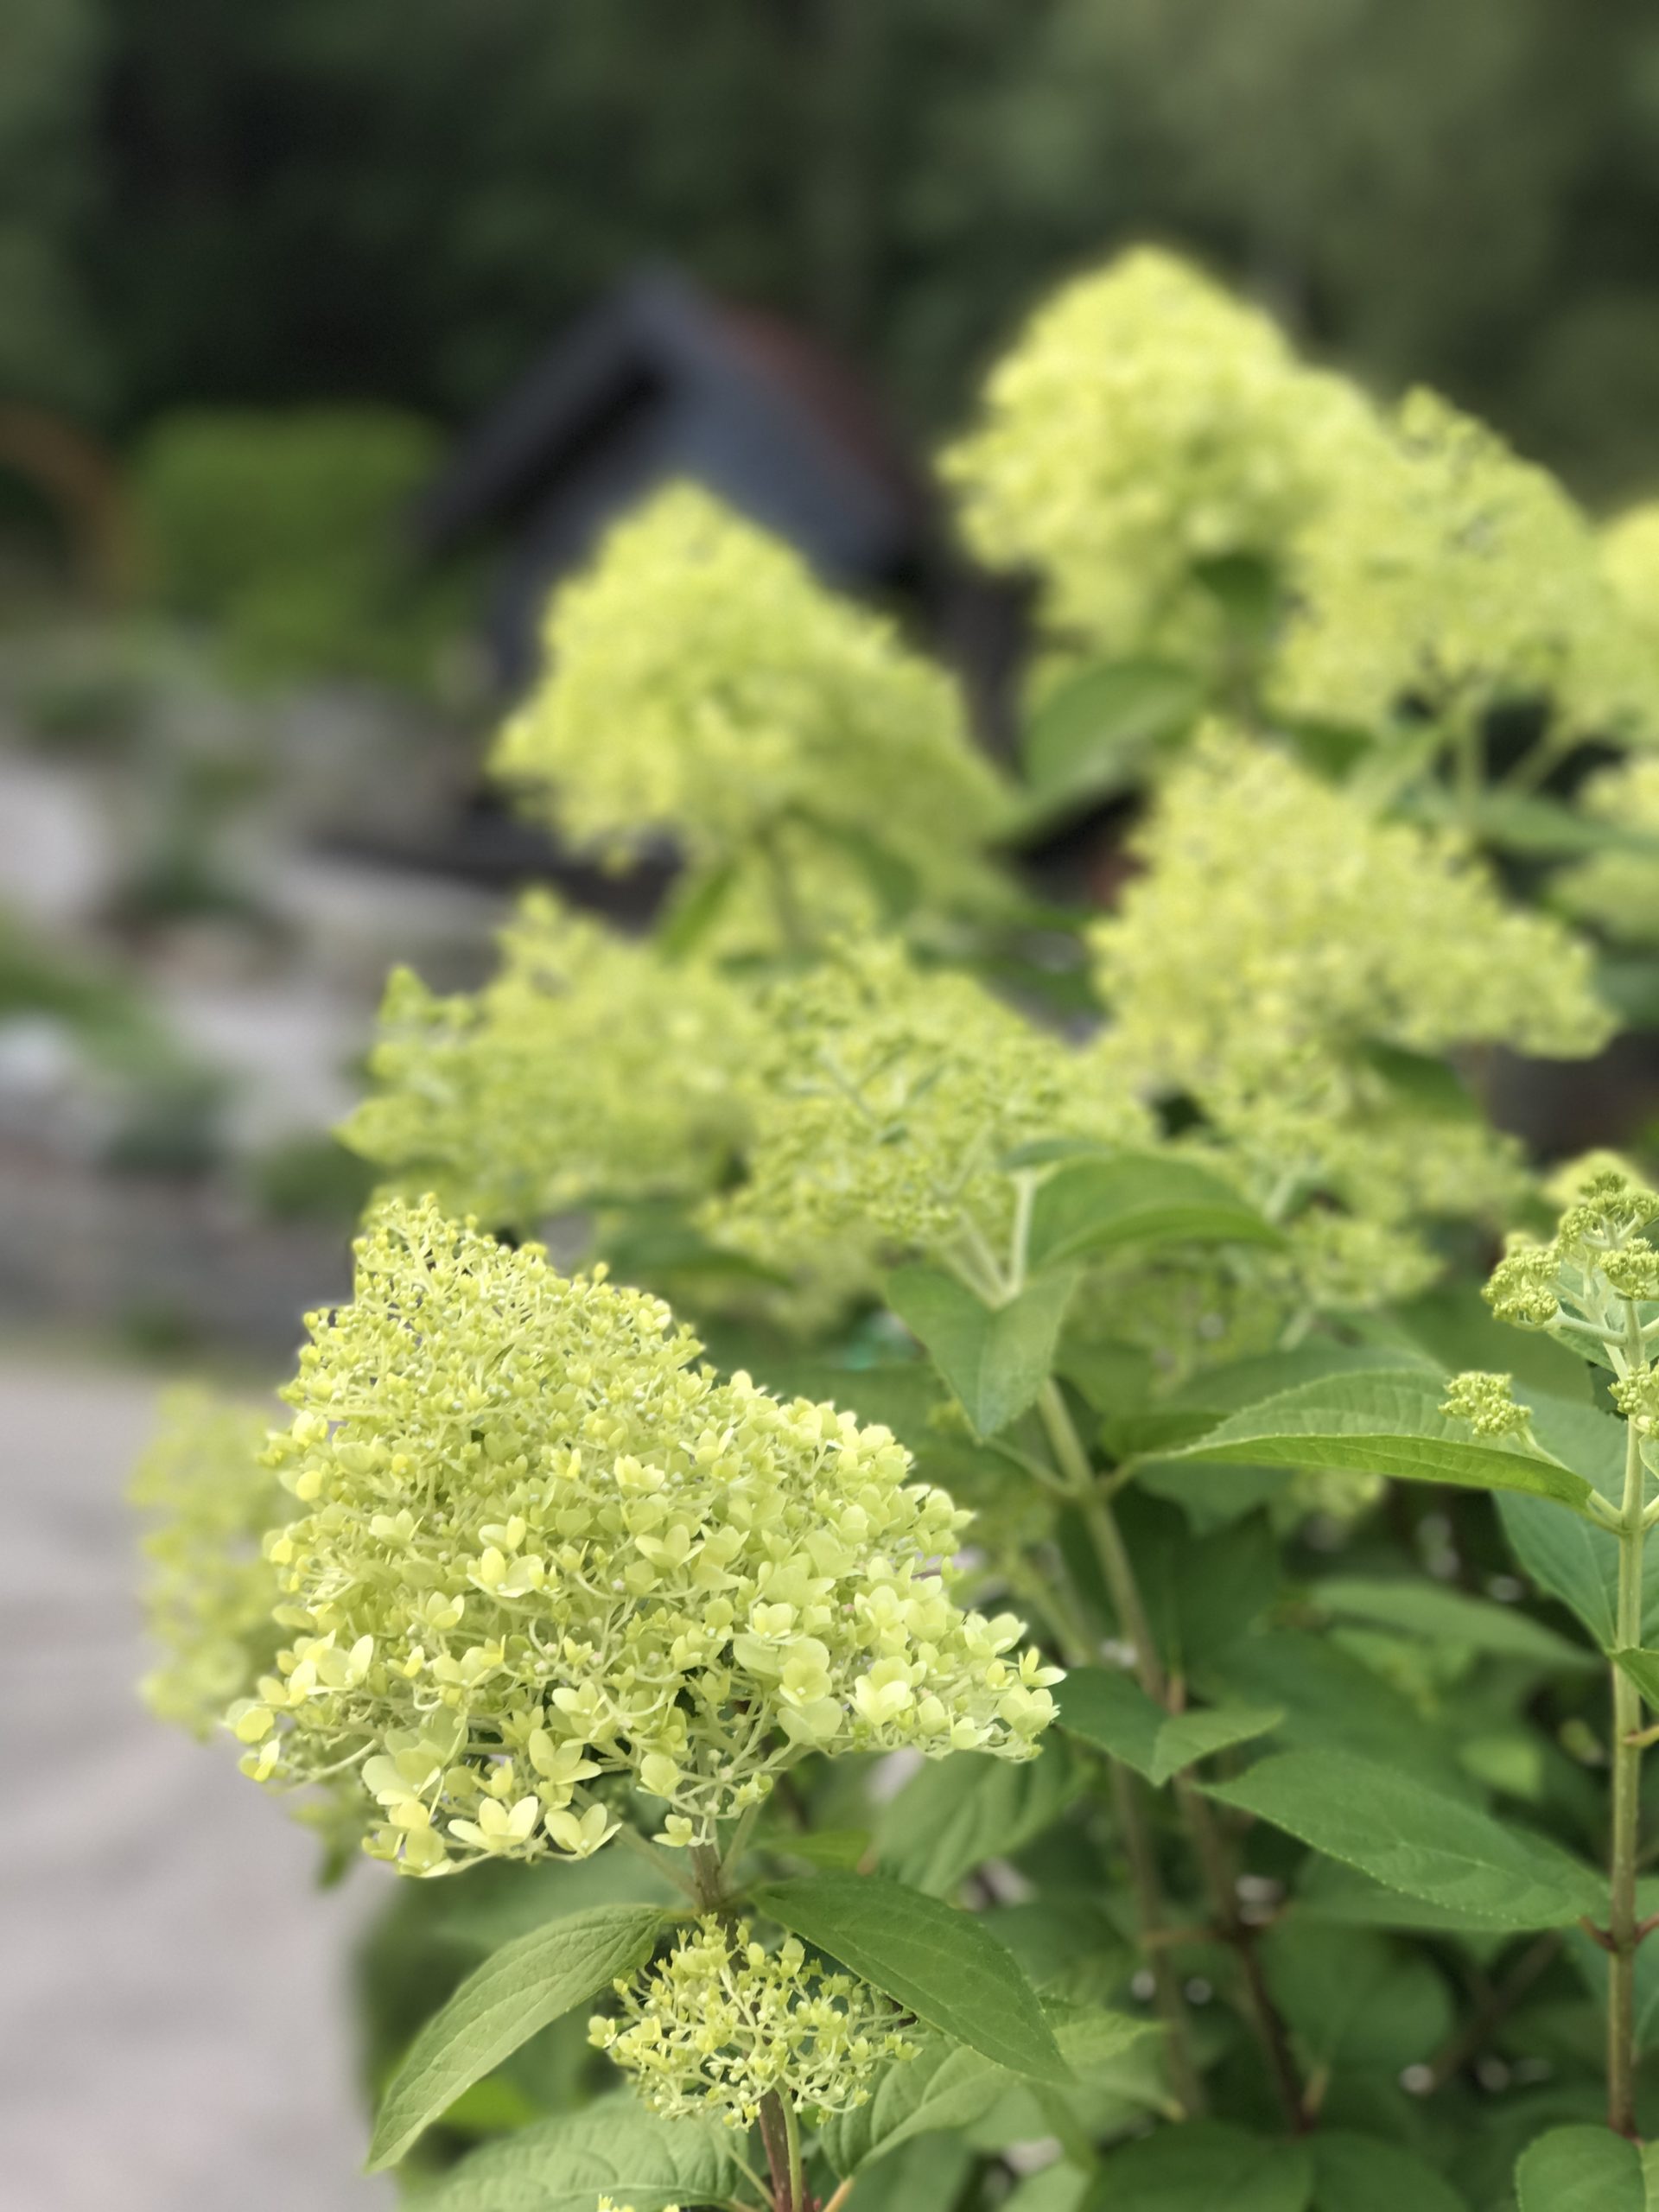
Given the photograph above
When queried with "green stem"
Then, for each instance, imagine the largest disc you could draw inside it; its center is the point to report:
(797, 2167)
(774, 2134)
(1148, 1889)
(1627, 1795)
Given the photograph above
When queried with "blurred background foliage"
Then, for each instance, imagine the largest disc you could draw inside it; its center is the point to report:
(399, 199)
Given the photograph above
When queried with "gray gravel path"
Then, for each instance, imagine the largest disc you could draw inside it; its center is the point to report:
(174, 2034)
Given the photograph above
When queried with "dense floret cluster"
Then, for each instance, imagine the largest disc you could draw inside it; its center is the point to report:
(1588, 1282)
(1446, 575)
(209, 1591)
(1618, 888)
(537, 1545)
(885, 1097)
(1147, 424)
(1281, 952)
(722, 2023)
(701, 684)
(587, 1067)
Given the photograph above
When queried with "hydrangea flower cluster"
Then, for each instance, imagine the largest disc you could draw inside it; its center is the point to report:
(588, 1067)
(1147, 422)
(1630, 561)
(701, 682)
(537, 1545)
(210, 1590)
(884, 1098)
(722, 2023)
(1446, 573)
(1619, 888)
(1281, 934)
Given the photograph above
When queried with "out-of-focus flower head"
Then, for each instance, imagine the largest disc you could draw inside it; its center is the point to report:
(1447, 574)
(589, 1067)
(701, 684)
(1145, 425)
(537, 1546)
(1618, 888)
(884, 1097)
(722, 2023)
(1282, 951)
(209, 1591)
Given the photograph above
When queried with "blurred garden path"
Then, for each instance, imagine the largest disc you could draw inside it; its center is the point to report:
(173, 2020)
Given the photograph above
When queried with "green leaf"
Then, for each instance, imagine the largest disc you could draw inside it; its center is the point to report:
(1587, 2170)
(1380, 1424)
(1449, 1617)
(923, 2175)
(1414, 1839)
(996, 1359)
(1574, 1560)
(518, 1990)
(937, 1962)
(1357, 2173)
(1105, 1707)
(1642, 1668)
(1100, 1205)
(615, 2149)
(1333, 1701)
(1351, 1998)
(1200, 2168)
(1091, 735)
(695, 910)
(1338, 1897)
(496, 1903)
(946, 2087)
(957, 1813)
(1455, 1327)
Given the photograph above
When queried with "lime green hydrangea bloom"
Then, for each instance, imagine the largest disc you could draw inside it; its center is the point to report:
(1582, 1283)
(1630, 561)
(722, 2023)
(1618, 889)
(209, 1591)
(537, 1545)
(703, 684)
(1447, 573)
(1281, 941)
(884, 1099)
(588, 1067)
(1145, 423)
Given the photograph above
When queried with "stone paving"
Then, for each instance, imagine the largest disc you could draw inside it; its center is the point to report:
(174, 2029)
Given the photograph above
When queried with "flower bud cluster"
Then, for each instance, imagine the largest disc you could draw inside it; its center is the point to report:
(884, 1098)
(722, 2023)
(1487, 1402)
(587, 1067)
(209, 1591)
(1147, 423)
(537, 1546)
(1591, 1281)
(701, 682)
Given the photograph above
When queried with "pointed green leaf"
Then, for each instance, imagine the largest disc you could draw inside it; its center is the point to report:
(1352, 1997)
(941, 1964)
(1200, 2168)
(1587, 2170)
(947, 2086)
(957, 1813)
(518, 1990)
(1574, 1560)
(1106, 1707)
(1091, 733)
(1642, 1668)
(1357, 2173)
(1448, 1617)
(1099, 1206)
(1380, 1424)
(996, 1359)
(615, 2149)
(1414, 1839)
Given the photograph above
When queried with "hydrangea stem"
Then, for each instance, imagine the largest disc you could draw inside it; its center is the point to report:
(1622, 1937)
(1118, 1572)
